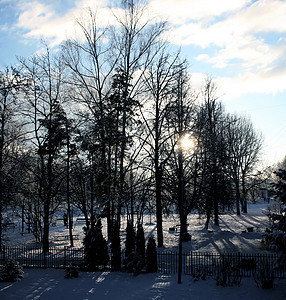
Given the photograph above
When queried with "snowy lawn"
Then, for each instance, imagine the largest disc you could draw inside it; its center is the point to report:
(230, 236)
(50, 284)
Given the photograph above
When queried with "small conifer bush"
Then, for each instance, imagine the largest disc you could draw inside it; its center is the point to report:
(95, 248)
(11, 271)
(151, 255)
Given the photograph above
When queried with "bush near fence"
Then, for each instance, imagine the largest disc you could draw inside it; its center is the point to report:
(194, 263)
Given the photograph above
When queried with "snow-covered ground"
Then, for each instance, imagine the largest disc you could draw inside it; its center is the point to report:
(232, 235)
(50, 284)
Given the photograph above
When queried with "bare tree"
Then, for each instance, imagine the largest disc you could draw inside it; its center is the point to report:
(10, 83)
(44, 99)
(160, 81)
(210, 124)
(180, 122)
(245, 145)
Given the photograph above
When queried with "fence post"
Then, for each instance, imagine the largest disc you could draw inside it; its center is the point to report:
(239, 264)
(65, 257)
(45, 259)
(4, 253)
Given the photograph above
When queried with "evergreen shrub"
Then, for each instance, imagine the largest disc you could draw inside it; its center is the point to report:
(151, 255)
(11, 271)
(95, 248)
(115, 247)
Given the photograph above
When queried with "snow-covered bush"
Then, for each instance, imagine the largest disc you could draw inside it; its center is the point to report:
(151, 255)
(248, 264)
(263, 276)
(133, 263)
(71, 272)
(229, 272)
(11, 271)
(280, 185)
(95, 248)
(275, 236)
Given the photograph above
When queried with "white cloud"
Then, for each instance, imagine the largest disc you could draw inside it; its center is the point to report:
(251, 83)
(180, 11)
(241, 46)
(261, 16)
(235, 29)
(264, 16)
(41, 21)
(197, 80)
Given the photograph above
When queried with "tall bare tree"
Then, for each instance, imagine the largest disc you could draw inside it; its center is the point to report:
(245, 145)
(210, 124)
(160, 82)
(10, 83)
(180, 122)
(44, 99)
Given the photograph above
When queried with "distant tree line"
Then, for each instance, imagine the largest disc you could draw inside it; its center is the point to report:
(101, 125)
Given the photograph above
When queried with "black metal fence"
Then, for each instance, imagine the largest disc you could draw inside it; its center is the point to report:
(235, 264)
(194, 263)
(34, 257)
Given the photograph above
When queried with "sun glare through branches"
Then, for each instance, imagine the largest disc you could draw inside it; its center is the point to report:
(187, 143)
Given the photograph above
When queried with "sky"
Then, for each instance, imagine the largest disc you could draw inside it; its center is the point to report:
(241, 44)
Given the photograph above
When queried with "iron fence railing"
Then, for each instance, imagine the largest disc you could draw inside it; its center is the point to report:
(34, 257)
(236, 264)
(193, 263)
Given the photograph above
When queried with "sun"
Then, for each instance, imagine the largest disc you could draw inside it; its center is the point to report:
(187, 143)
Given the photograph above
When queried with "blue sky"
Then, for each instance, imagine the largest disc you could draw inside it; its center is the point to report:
(240, 43)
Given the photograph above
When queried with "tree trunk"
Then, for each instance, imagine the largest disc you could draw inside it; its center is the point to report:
(237, 200)
(46, 227)
(216, 211)
(244, 200)
(208, 219)
(1, 202)
(184, 227)
(158, 178)
(68, 190)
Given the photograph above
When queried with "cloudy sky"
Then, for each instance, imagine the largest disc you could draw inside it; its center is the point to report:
(240, 43)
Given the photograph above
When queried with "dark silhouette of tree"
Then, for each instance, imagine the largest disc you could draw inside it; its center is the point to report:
(140, 243)
(160, 82)
(180, 117)
(130, 240)
(151, 255)
(115, 247)
(275, 237)
(244, 146)
(95, 248)
(279, 186)
(11, 134)
(210, 124)
(44, 98)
